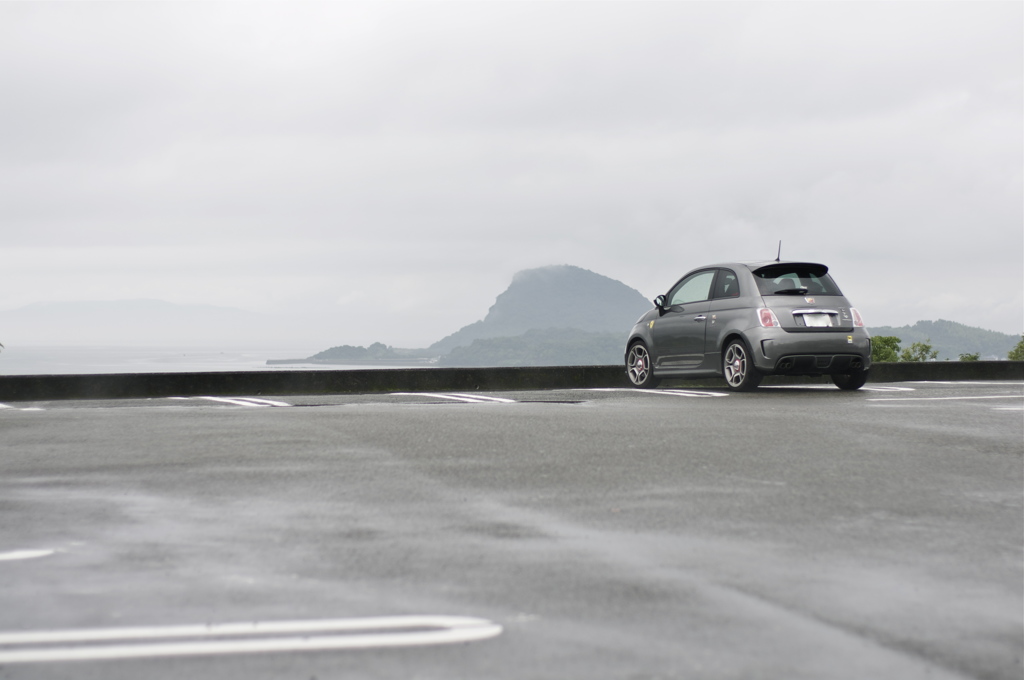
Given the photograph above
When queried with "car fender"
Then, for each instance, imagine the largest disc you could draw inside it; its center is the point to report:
(736, 319)
(642, 331)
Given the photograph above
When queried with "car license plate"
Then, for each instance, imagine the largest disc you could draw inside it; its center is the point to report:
(817, 320)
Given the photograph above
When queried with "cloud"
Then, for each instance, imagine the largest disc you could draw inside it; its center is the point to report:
(398, 162)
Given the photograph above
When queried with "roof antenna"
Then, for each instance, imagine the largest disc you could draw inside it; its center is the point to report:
(778, 258)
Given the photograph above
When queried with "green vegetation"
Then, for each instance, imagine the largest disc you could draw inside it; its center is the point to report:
(885, 348)
(1017, 353)
(919, 351)
(951, 339)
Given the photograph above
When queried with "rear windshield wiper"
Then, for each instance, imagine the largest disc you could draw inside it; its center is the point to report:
(791, 291)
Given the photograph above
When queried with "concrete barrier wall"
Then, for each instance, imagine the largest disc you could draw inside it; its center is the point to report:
(255, 383)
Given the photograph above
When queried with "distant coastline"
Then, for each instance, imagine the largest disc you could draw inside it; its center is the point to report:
(424, 362)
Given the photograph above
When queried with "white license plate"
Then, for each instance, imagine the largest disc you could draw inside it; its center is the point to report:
(817, 320)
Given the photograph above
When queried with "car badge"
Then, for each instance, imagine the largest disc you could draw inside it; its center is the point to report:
(651, 324)
(809, 301)
(849, 339)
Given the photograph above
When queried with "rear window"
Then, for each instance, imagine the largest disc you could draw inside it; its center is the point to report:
(795, 280)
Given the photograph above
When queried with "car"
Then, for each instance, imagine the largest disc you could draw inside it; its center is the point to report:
(743, 321)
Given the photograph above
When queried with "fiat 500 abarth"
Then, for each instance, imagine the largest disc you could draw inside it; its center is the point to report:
(743, 321)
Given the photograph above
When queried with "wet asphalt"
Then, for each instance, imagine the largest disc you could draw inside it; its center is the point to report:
(793, 532)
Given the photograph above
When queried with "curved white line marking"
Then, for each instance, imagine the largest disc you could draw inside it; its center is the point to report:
(25, 554)
(362, 633)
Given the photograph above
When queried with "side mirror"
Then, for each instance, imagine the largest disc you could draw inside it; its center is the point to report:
(659, 302)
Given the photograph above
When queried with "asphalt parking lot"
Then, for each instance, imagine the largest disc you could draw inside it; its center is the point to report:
(793, 532)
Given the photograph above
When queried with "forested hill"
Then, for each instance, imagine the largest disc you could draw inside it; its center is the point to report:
(560, 296)
(952, 339)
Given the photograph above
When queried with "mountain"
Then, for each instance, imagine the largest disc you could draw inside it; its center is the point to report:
(547, 347)
(952, 339)
(558, 296)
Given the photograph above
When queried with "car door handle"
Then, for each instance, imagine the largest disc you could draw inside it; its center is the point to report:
(699, 317)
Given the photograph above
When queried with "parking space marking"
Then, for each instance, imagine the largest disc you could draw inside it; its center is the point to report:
(809, 386)
(24, 554)
(497, 400)
(267, 402)
(238, 401)
(966, 382)
(14, 408)
(241, 638)
(888, 388)
(987, 396)
(465, 398)
(670, 392)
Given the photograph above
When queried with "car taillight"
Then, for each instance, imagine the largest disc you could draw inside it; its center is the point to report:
(858, 320)
(768, 318)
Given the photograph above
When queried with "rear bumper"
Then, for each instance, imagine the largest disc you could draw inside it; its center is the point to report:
(820, 364)
(778, 352)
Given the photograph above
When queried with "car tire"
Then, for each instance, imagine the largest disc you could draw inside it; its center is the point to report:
(850, 381)
(638, 366)
(738, 367)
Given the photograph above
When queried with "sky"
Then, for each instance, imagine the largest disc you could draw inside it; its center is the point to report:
(388, 166)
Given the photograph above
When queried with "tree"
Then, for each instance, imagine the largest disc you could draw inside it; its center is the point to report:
(1017, 353)
(885, 348)
(970, 357)
(919, 351)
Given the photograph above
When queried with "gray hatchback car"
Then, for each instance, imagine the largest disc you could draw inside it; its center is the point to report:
(743, 321)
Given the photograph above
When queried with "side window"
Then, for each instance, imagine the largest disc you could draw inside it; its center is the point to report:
(694, 288)
(726, 286)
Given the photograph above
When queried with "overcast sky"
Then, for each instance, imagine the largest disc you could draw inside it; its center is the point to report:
(394, 164)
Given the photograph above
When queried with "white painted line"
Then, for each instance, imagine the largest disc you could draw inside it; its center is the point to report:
(888, 388)
(811, 386)
(1007, 396)
(437, 396)
(499, 400)
(675, 393)
(5, 406)
(268, 402)
(24, 554)
(290, 636)
(236, 402)
(1008, 408)
(965, 382)
(464, 398)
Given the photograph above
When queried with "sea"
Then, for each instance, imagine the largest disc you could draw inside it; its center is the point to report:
(38, 360)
